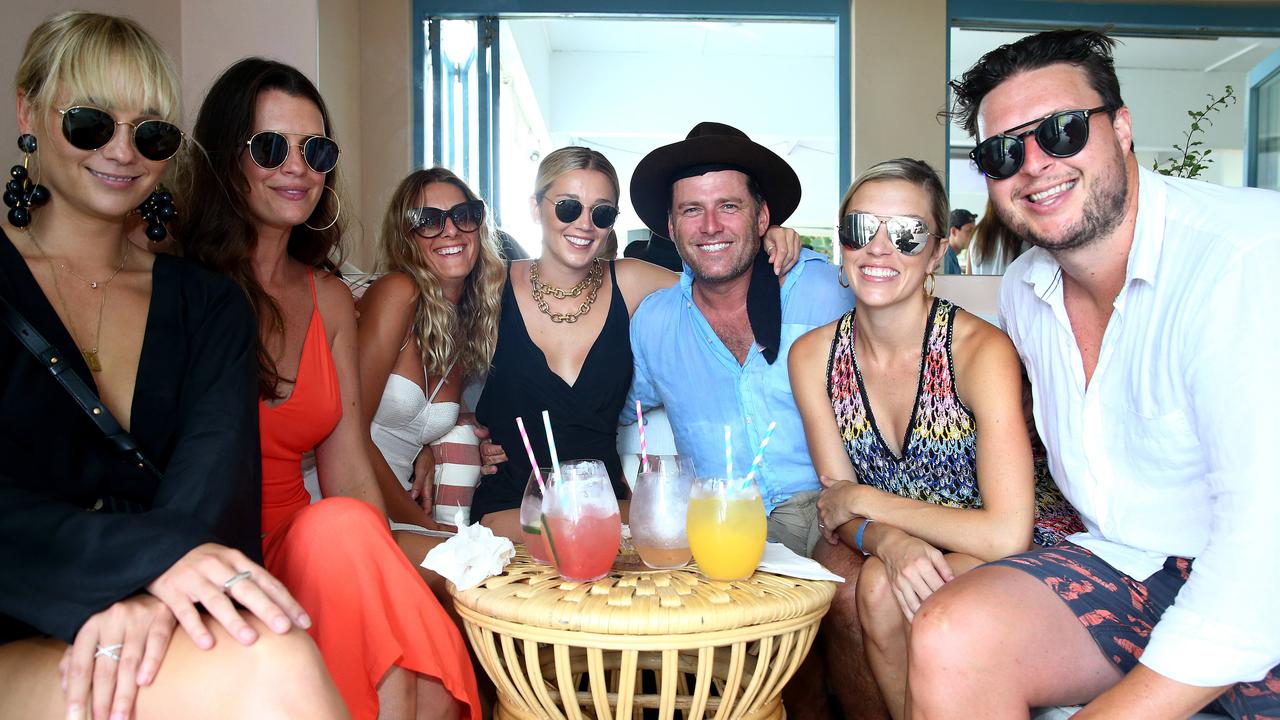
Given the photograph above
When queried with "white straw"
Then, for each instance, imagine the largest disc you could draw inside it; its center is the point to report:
(728, 452)
(551, 444)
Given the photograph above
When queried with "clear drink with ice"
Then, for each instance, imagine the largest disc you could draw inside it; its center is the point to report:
(658, 506)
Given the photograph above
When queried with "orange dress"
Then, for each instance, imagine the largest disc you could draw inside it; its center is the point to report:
(369, 607)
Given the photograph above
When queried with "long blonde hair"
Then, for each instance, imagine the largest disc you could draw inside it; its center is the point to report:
(469, 331)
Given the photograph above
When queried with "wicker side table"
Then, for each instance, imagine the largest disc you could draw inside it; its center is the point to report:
(673, 641)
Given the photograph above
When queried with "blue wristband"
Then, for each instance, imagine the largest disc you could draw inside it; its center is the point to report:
(862, 529)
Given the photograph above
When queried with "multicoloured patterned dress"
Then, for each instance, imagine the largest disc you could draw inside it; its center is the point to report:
(939, 455)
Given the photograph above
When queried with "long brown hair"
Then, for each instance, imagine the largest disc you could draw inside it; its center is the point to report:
(218, 228)
(468, 332)
(991, 238)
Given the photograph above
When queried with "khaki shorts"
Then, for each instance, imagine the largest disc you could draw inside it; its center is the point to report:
(794, 523)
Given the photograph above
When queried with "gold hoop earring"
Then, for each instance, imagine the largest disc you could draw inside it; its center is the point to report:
(929, 283)
(336, 214)
(840, 278)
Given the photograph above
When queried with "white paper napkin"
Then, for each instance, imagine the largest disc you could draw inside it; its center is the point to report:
(471, 556)
(780, 560)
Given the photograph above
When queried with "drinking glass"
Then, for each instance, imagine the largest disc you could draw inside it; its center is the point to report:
(658, 507)
(531, 516)
(726, 526)
(582, 528)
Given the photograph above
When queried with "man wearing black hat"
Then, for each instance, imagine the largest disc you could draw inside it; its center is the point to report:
(713, 348)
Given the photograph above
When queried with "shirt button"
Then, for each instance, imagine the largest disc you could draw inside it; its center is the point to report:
(748, 419)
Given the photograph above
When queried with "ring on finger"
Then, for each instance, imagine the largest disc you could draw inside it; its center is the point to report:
(245, 575)
(109, 651)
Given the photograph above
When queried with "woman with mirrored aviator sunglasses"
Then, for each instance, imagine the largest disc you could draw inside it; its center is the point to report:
(894, 395)
(130, 586)
(269, 219)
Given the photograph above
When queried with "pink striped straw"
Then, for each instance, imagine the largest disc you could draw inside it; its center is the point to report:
(755, 463)
(644, 448)
(533, 460)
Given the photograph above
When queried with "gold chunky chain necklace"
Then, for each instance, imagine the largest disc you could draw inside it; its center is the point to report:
(91, 354)
(591, 283)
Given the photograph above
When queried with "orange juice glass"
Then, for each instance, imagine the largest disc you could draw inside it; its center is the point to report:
(726, 526)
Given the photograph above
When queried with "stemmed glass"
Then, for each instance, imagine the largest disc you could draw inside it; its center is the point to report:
(582, 527)
(531, 516)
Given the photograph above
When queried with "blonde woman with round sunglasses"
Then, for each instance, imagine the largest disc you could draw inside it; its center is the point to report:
(104, 559)
(563, 342)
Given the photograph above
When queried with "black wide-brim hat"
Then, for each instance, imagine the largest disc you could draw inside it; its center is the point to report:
(720, 147)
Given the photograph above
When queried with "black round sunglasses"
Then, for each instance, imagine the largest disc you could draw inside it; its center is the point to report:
(90, 128)
(1060, 135)
(603, 215)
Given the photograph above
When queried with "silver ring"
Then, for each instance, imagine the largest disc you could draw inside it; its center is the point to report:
(109, 651)
(226, 586)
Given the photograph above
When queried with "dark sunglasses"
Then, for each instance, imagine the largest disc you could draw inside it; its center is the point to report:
(270, 148)
(428, 222)
(908, 234)
(1060, 135)
(90, 128)
(602, 216)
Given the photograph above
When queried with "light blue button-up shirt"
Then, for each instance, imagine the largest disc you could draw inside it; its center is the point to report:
(681, 363)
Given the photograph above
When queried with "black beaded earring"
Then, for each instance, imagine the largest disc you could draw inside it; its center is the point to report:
(157, 210)
(21, 193)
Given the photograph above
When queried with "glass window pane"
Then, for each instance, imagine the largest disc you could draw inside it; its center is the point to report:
(1269, 133)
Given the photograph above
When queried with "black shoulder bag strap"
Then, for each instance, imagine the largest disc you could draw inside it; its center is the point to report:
(52, 360)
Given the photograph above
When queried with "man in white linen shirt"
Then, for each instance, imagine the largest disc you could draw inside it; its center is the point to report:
(1146, 319)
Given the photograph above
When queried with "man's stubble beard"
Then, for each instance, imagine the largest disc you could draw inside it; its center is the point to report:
(1103, 211)
(735, 272)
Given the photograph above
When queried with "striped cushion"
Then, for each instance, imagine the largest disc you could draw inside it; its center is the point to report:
(457, 456)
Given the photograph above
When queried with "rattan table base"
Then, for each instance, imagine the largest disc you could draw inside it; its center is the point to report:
(671, 642)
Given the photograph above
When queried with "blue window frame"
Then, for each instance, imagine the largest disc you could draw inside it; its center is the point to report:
(837, 11)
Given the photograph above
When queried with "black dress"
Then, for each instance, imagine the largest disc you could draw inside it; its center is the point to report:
(194, 414)
(584, 416)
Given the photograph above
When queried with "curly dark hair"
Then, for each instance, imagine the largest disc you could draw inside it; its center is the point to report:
(1088, 50)
(218, 230)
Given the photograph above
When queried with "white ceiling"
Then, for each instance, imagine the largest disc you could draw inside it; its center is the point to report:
(1223, 54)
(683, 37)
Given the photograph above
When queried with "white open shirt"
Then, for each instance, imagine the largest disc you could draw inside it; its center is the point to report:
(1172, 449)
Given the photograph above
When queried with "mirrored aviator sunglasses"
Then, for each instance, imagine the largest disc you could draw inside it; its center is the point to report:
(91, 128)
(269, 150)
(908, 234)
(428, 222)
(1059, 135)
(602, 215)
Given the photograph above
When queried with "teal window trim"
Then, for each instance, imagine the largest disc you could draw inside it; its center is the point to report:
(1260, 73)
(833, 10)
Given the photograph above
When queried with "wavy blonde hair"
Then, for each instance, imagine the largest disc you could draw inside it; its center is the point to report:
(468, 331)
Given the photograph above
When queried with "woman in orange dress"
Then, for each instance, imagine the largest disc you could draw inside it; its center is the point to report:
(267, 216)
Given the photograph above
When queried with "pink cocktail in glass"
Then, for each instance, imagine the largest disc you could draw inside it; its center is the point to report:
(582, 526)
(586, 546)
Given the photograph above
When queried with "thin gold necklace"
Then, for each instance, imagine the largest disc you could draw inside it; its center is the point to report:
(593, 280)
(91, 358)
